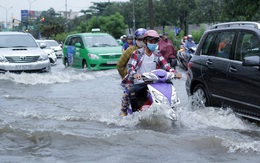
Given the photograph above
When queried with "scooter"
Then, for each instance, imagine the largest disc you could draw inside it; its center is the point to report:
(160, 92)
(183, 58)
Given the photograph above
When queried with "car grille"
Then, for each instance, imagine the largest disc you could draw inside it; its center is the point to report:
(113, 56)
(22, 59)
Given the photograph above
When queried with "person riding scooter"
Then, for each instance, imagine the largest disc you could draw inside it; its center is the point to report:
(188, 48)
(143, 60)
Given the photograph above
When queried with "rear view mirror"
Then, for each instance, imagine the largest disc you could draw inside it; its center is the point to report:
(43, 45)
(251, 61)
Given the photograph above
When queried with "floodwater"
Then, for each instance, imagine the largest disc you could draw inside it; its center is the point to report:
(71, 115)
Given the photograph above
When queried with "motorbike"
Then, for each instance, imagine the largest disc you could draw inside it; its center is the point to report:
(160, 92)
(183, 58)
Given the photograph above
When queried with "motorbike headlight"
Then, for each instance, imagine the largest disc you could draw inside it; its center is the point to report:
(93, 56)
(43, 57)
(3, 59)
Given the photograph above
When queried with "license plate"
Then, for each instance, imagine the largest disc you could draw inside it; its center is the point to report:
(111, 62)
(23, 66)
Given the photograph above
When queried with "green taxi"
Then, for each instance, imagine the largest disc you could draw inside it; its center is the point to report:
(94, 51)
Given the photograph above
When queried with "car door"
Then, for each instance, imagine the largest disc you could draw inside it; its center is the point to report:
(243, 81)
(78, 51)
(218, 63)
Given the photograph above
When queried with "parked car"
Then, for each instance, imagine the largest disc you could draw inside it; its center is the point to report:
(19, 52)
(55, 46)
(93, 50)
(50, 51)
(225, 70)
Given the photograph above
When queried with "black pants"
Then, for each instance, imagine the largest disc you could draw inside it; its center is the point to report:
(173, 62)
(138, 96)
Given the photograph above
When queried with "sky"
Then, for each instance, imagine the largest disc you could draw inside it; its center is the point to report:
(14, 7)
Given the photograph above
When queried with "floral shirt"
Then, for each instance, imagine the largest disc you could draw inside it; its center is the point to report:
(135, 62)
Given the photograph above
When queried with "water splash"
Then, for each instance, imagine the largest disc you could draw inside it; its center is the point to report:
(67, 75)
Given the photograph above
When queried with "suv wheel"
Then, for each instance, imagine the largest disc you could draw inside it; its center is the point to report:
(199, 98)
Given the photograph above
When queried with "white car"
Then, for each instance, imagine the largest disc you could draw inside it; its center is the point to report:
(50, 51)
(19, 52)
(56, 46)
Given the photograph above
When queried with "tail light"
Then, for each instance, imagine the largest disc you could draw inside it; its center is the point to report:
(189, 65)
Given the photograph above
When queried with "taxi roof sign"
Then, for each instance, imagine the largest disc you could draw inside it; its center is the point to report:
(95, 30)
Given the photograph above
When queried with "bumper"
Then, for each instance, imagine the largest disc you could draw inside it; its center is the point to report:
(39, 66)
(102, 64)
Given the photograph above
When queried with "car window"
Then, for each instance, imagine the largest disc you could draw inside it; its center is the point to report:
(100, 41)
(249, 45)
(75, 40)
(224, 44)
(67, 42)
(205, 50)
(52, 43)
(17, 41)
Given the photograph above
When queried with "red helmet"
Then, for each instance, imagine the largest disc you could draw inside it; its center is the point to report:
(151, 34)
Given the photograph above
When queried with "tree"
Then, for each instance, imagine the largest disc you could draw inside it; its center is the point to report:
(53, 23)
(113, 24)
(234, 10)
(207, 11)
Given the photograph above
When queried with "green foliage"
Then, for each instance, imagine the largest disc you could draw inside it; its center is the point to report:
(198, 34)
(53, 23)
(240, 10)
(113, 24)
(60, 37)
(51, 29)
(115, 17)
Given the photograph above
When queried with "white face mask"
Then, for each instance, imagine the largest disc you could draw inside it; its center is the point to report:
(140, 43)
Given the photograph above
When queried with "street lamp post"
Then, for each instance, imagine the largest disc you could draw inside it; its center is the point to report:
(30, 5)
(6, 14)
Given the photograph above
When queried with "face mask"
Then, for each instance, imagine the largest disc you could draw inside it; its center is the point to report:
(152, 47)
(140, 43)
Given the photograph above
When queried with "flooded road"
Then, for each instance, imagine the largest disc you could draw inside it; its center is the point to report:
(71, 115)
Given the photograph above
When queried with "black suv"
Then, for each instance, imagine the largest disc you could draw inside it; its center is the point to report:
(225, 70)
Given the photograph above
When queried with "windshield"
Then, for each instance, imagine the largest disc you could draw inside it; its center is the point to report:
(100, 41)
(52, 43)
(12, 41)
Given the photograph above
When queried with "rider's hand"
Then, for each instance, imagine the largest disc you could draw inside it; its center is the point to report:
(177, 75)
(138, 76)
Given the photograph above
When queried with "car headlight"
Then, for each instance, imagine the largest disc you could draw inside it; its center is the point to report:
(43, 57)
(93, 56)
(3, 59)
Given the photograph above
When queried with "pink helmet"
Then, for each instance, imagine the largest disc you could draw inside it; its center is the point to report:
(151, 34)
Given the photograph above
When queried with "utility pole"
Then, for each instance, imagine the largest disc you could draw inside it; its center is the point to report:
(30, 7)
(133, 15)
(6, 14)
(151, 14)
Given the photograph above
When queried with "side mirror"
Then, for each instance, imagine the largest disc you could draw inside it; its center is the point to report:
(251, 61)
(78, 45)
(43, 45)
